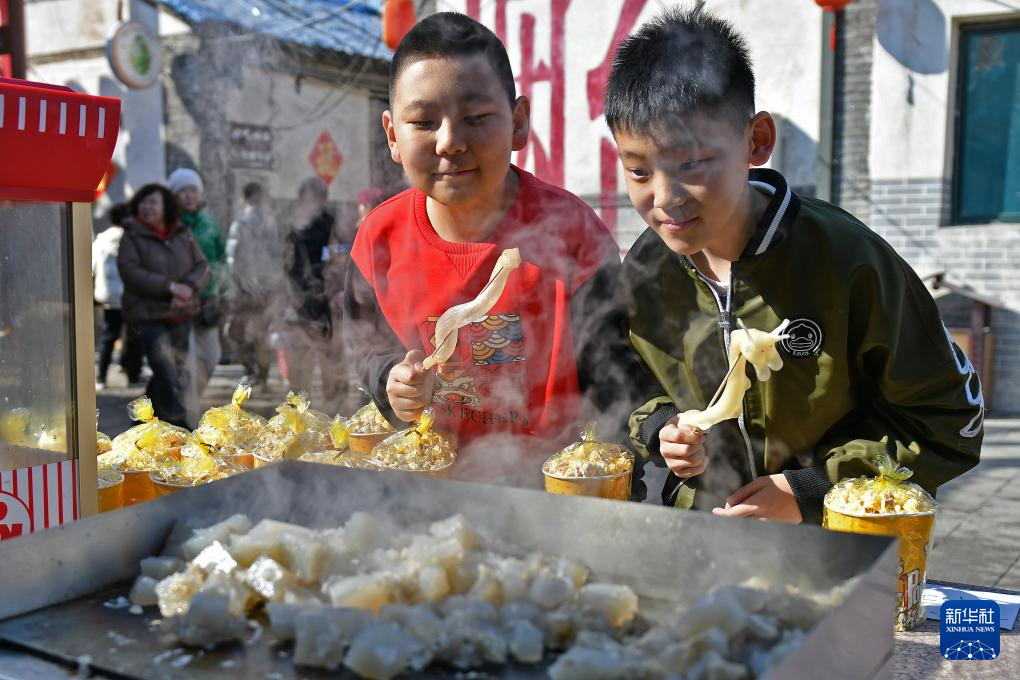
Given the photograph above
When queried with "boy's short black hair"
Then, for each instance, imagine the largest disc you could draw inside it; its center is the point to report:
(251, 190)
(680, 62)
(169, 202)
(452, 34)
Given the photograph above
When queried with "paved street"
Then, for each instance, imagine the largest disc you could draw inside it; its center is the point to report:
(976, 535)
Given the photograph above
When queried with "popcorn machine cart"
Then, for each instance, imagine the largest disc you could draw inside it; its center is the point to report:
(55, 146)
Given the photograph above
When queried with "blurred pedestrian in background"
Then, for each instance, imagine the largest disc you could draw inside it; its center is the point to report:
(254, 255)
(307, 321)
(164, 272)
(188, 189)
(107, 295)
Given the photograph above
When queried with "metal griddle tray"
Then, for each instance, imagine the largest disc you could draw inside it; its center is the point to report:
(55, 585)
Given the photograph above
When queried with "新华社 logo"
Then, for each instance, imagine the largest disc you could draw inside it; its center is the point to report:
(970, 630)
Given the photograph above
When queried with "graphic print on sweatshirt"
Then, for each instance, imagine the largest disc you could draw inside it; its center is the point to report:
(486, 380)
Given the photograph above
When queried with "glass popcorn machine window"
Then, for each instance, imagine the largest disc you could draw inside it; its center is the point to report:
(55, 146)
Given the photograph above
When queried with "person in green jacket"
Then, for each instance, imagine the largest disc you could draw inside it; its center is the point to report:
(187, 187)
(868, 364)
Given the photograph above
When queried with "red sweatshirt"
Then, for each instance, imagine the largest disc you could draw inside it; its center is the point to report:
(522, 369)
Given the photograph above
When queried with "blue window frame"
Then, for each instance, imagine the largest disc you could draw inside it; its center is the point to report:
(986, 178)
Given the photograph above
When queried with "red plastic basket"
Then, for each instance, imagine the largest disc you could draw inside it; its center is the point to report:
(55, 144)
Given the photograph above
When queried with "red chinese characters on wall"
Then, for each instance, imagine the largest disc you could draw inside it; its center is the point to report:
(325, 158)
(548, 159)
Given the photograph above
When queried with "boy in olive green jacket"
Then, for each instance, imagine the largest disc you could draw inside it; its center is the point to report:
(869, 366)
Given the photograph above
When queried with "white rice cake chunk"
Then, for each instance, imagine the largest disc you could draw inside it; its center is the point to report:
(321, 636)
(215, 558)
(283, 618)
(513, 577)
(222, 531)
(418, 621)
(446, 552)
(433, 583)
(210, 621)
(365, 532)
(457, 527)
(604, 663)
(143, 591)
(160, 567)
(525, 641)
(269, 578)
(175, 591)
(264, 539)
(304, 554)
(521, 610)
(241, 598)
(550, 591)
(367, 591)
(487, 587)
(381, 651)
(617, 603)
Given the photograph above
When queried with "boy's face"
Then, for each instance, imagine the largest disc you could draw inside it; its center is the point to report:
(453, 130)
(689, 184)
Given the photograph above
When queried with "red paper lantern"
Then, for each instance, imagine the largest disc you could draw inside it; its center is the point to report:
(833, 5)
(397, 19)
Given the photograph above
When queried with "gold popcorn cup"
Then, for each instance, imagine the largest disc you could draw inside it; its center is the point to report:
(914, 531)
(245, 459)
(364, 442)
(138, 487)
(165, 488)
(615, 487)
(111, 491)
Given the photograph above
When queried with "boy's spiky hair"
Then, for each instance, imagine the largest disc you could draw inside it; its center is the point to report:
(452, 34)
(683, 61)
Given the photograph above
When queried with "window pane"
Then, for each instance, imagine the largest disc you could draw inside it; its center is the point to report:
(989, 167)
(35, 334)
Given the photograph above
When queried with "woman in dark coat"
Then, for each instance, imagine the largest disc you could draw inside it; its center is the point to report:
(163, 270)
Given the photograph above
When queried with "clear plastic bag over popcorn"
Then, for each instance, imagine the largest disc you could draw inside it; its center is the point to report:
(889, 493)
(368, 420)
(296, 429)
(231, 425)
(417, 449)
(589, 457)
(146, 445)
(197, 465)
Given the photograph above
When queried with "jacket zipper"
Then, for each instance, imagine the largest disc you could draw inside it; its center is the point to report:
(725, 325)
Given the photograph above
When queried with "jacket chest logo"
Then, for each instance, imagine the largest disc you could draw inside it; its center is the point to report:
(804, 338)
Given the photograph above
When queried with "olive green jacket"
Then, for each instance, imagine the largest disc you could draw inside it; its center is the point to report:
(210, 239)
(869, 366)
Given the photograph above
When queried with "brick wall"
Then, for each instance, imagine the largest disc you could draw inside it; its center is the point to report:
(855, 29)
(913, 216)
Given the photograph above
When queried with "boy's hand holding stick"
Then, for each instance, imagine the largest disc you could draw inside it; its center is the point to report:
(410, 383)
(681, 442)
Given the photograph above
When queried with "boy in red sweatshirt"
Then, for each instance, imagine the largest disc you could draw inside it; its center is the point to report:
(539, 362)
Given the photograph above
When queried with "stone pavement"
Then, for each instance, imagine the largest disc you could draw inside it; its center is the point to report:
(977, 532)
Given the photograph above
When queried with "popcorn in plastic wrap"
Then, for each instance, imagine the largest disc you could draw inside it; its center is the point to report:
(340, 433)
(416, 449)
(368, 419)
(196, 466)
(888, 505)
(589, 458)
(151, 436)
(889, 493)
(103, 443)
(296, 429)
(231, 425)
